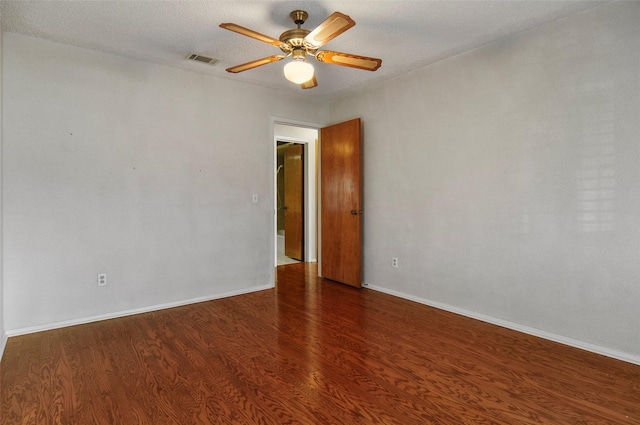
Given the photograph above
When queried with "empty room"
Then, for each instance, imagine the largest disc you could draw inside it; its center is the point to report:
(467, 212)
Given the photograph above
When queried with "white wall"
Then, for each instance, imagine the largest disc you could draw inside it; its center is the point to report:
(141, 171)
(507, 181)
(3, 335)
(309, 137)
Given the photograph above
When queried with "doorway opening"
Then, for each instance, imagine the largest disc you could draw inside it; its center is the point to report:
(296, 211)
(290, 202)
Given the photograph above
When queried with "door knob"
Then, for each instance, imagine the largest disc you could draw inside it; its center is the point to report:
(356, 212)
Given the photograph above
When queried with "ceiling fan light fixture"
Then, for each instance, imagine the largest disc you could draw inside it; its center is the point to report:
(298, 71)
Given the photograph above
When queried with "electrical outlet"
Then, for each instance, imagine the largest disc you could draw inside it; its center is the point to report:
(102, 279)
(394, 262)
(254, 198)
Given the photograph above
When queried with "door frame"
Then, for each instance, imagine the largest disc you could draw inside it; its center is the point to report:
(308, 227)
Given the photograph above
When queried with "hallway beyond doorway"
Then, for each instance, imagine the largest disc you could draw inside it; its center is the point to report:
(281, 258)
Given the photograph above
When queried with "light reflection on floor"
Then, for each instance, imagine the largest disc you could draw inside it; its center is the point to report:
(283, 259)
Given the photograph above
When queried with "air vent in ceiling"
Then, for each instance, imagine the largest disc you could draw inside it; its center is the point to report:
(201, 58)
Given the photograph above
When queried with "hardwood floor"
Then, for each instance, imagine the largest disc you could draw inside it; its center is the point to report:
(308, 352)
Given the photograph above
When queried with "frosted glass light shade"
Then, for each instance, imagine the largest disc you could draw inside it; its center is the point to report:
(298, 71)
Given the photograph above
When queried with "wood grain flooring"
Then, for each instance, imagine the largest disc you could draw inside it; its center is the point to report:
(308, 352)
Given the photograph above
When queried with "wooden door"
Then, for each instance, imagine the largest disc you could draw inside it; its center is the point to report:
(341, 202)
(294, 202)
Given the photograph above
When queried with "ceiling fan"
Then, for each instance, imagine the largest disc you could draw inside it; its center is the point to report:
(300, 43)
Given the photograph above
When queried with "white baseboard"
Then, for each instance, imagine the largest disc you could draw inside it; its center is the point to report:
(619, 355)
(83, 320)
(503, 323)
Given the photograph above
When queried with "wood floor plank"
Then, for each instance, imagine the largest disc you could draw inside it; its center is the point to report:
(310, 351)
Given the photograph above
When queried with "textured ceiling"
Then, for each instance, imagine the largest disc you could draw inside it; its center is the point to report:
(404, 34)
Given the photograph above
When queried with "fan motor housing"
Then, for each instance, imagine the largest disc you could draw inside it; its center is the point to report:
(294, 37)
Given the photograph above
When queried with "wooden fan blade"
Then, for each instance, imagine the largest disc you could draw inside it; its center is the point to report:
(346, 59)
(310, 84)
(255, 63)
(329, 29)
(251, 33)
